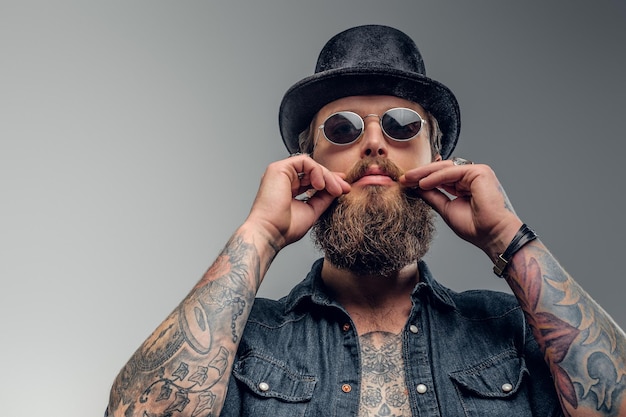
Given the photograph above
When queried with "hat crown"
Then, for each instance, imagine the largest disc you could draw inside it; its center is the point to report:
(371, 46)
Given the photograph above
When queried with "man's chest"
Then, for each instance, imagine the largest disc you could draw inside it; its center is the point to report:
(383, 388)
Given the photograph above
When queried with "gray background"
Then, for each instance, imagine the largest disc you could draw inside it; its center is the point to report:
(133, 136)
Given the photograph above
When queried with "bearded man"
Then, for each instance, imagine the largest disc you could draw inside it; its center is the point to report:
(369, 331)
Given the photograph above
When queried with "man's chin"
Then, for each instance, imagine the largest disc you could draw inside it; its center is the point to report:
(375, 230)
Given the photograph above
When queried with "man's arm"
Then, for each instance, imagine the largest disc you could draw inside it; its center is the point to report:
(185, 365)
(584, 348)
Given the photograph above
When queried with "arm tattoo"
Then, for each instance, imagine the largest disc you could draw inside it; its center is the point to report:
(507, 202)
(584, 348)
(185, 364)
(384, 391)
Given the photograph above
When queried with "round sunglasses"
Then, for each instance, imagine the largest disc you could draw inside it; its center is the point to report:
(345, 127)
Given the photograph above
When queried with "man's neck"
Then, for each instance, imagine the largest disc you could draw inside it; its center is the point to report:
(375, 303)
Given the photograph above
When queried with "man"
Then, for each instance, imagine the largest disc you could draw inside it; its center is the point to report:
(369, 332)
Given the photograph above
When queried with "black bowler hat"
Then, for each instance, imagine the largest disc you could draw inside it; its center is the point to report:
(368, 60)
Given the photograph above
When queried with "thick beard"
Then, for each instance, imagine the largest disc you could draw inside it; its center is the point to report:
(378, 231)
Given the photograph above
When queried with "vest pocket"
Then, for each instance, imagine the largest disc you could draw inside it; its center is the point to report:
(273, 387)
(493, 386)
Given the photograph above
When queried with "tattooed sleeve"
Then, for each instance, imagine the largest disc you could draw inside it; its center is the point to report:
(583, 346)
(185, 364)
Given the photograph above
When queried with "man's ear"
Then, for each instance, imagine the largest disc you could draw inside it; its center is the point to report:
(437, 157)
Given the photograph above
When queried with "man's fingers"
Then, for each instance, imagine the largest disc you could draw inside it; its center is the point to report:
(436, 199)
(306, 172)
(454, 179)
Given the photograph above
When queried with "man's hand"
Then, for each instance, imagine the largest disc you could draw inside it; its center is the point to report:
(283, 218)
(475, 207)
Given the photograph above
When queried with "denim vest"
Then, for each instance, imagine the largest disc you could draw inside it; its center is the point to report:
(466, 354)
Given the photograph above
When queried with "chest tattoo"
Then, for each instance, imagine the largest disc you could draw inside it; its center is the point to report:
(384, 391)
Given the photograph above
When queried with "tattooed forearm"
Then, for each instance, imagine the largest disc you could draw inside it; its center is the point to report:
(583, 346)
(185, 364)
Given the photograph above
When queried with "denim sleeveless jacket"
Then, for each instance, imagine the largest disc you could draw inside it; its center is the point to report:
(466, 354)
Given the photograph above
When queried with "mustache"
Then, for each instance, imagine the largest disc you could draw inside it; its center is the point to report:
(360, 169)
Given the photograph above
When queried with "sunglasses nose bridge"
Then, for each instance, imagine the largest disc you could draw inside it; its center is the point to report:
(373, 141)
(380, 119)
(380, 122)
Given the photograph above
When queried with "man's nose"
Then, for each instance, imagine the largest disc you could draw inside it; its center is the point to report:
(373, 142)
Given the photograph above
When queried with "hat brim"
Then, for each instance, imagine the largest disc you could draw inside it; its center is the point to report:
(305, 98)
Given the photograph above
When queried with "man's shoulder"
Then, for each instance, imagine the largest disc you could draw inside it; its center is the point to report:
(273, 313)
(265, 308)
(295, 304)
(473, 303)
(484, 303)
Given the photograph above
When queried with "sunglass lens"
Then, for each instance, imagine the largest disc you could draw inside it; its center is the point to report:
(401, 124)
(343, 127)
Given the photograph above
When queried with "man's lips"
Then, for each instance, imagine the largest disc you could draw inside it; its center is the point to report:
(374, 180)
(375, 175)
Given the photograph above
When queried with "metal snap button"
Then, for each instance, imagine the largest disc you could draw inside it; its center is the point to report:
(507, 387)
(264, 386)
(421, 388)
(413, 328)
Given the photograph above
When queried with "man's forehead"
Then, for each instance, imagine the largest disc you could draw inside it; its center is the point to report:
(368, 104)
